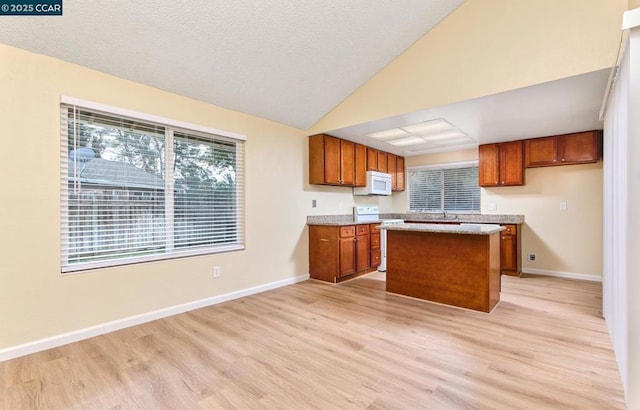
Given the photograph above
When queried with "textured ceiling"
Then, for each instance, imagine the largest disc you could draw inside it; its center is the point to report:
(290, 61)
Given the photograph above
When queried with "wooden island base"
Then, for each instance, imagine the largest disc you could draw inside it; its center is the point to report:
(452, 268)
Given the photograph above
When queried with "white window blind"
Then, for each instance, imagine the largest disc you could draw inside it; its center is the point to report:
(134, 190)
(438, 189)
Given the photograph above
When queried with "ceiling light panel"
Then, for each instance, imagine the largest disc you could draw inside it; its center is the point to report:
(445, 135)
(429, 127)
(387, 135)
(403, 142)
(434, 134)
(453, 141)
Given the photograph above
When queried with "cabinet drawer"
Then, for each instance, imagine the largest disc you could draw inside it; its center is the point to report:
(362, 229)
(511, 230)
(375, 258)
(347, 231)
(375, 241)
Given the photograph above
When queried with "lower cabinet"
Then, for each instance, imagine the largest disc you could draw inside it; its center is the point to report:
(510, 250)
(342, 252)
(347, 255)
(339, 252)
(374, 246)
(362, 248)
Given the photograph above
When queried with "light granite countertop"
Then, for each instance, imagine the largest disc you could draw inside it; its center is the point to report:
(343, 220)
(467, 229)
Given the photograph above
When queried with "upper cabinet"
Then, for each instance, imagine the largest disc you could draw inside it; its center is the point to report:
(399, 179)
(382, 161)
(500, 164)
(334, 161)
(395, 167)
(360, 165)
(577, 148)
(372, 159)
(503, 164)
(331, 161)
(376, 160)
(391, 166)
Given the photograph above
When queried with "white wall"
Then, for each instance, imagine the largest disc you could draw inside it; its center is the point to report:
(621, 280)
(633, 225)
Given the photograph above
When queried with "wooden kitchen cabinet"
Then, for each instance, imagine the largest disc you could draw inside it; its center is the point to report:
(567, 149)
(395, 167)
(331, 161)
(501, 164)
(374, 246)
(372, 159)
(376, 160)
(347, 251)
(391, 168)
(360, 163)
(338, 252)
(510, 250)
(399, 179)
(334, 161)
(382, 161)
(362, 247)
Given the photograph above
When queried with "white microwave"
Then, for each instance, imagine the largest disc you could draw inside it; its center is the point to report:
(378, 183)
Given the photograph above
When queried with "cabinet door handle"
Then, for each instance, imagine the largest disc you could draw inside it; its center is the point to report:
(562, 159)
(324, 240)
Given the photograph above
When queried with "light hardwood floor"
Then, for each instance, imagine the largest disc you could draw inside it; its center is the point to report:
(347, 346)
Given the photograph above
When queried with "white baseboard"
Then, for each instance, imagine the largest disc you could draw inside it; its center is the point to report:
(82, 334)
(568, 275)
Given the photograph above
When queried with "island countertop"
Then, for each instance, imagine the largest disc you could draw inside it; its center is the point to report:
(471, 229)
(457, 265)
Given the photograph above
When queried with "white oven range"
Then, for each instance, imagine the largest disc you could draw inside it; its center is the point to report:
(371, 214)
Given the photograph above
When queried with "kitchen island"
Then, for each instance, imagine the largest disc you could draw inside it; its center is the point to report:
(456, 265)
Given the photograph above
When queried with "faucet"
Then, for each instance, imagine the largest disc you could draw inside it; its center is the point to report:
(447, 215)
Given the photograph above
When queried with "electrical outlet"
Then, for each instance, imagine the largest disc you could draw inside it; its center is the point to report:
(314, 203)
(563, 206)
(216, 271)
(493, 206)
(532, 257)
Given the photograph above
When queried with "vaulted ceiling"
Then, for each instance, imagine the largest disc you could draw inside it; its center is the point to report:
(292, 61)
(289, 61)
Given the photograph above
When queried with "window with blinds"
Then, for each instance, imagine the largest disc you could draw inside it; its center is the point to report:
(135, 190)
(439, 189)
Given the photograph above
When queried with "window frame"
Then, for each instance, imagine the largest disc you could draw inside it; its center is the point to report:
(442, 166)
(170, 126)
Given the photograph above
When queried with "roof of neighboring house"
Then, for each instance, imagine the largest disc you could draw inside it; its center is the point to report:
(113, 173)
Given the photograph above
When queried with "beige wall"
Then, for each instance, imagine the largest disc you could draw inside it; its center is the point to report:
(485, 47)
(35, 300)
(564, 241)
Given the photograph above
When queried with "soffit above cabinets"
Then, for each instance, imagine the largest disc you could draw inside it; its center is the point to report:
(557, 107)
